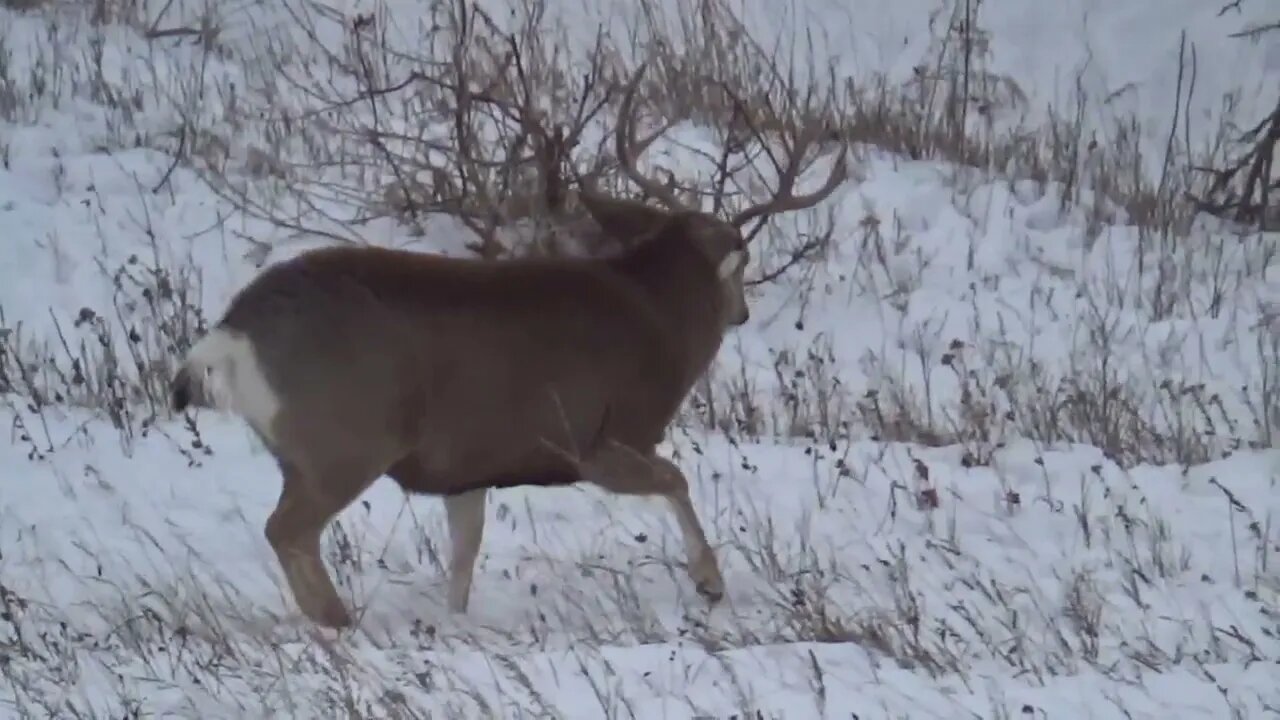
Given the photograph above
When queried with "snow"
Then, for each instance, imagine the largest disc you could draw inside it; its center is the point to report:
(1051, 578)
(576, 588)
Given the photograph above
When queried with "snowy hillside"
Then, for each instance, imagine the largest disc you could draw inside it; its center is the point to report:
(1001, 439)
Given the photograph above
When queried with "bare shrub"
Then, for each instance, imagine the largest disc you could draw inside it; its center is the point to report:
(116, 360)
(23, 5)
(1245, 187)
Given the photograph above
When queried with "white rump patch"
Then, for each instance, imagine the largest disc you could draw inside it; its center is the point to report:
(729, 265)
(225, 362)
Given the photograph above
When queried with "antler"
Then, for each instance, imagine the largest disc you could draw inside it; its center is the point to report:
(784, 199)
(627, 149)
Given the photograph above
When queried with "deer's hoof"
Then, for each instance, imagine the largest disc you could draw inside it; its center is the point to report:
(334, 617)
(711, 591)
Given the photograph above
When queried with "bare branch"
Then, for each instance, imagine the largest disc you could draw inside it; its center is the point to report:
(1243, 188)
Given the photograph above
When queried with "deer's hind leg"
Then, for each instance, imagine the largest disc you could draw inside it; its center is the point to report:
(308, 501)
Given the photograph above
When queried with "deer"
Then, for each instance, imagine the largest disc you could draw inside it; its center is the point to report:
(453, 376)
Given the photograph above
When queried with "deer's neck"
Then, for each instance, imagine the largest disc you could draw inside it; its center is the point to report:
(682, 287)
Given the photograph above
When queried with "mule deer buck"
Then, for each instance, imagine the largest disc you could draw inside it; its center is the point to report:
(452, 376)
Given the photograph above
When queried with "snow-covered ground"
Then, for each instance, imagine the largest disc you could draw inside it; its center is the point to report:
(985, 458)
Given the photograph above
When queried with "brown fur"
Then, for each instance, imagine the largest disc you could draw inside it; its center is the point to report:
(484, 371)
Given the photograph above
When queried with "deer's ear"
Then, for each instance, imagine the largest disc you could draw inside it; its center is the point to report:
(623, 218)
(730, 264)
